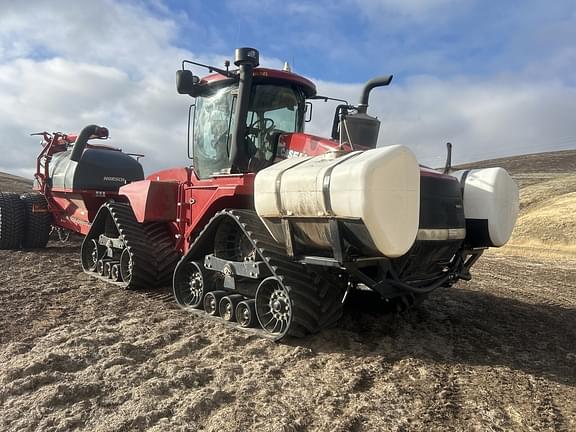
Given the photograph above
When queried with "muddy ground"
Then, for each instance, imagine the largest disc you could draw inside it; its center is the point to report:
(497, 353)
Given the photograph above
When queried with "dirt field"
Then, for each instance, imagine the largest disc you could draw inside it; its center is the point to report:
(494, 354)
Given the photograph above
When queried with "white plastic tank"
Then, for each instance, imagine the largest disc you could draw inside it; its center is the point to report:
(491, 203)
(379, 187)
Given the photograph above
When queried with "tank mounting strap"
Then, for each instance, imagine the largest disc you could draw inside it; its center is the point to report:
(328, 176)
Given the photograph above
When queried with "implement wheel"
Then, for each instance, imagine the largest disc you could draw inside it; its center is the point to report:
(38, 221)
(12, 220)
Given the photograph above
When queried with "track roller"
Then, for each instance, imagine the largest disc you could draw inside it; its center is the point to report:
(246, 314)
(115, 273)
(108, 268)
(100, 267)
(211, 302)
(227, 306)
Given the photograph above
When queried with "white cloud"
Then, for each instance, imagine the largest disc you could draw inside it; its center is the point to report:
(405, 8)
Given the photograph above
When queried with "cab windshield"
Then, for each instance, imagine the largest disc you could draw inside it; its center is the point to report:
(212, 132)
(273, 109)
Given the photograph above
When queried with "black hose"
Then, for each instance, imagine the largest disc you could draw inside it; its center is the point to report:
(85, 135)
(419, 290)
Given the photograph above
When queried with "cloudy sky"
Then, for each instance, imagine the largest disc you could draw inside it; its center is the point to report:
(494, 78)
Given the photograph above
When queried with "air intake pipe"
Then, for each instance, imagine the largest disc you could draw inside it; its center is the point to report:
(87, 133)
(246, 59)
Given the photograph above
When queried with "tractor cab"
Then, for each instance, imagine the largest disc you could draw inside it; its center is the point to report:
(240, 115)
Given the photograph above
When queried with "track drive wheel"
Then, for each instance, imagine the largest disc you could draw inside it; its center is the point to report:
(191, 283)
(38, 221)
(12, 220)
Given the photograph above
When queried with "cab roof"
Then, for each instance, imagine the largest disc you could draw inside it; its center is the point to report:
(265, 74)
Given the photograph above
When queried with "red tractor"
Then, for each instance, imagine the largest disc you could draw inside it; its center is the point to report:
(270, 227)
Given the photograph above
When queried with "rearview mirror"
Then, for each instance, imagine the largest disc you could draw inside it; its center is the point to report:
(185, 81)
(308, 111)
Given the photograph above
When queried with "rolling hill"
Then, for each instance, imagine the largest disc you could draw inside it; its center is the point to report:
(547, 221)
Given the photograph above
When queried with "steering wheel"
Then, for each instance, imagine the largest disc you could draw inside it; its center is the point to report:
(261, 126)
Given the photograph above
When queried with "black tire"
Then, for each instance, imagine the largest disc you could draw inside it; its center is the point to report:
(38, 221)
(12, 220)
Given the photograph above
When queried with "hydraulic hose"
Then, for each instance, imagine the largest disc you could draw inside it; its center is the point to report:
(419, 290)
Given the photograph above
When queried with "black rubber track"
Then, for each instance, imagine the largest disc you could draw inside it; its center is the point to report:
(315, 296)
(166, 256)
(153, 264)
(38, 221)
(12, 220)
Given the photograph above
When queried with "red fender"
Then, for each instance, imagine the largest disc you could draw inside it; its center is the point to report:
(152, 201)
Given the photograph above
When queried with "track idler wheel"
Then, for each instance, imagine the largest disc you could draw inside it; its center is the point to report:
(227, 306)
(246, 314)
(211, 302)
(91, 254)
(273, 307)
(191, 283)
(126, 265)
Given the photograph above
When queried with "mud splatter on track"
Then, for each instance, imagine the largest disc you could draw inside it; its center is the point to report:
(497, 353)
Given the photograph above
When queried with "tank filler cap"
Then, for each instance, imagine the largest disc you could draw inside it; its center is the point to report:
(247, 56)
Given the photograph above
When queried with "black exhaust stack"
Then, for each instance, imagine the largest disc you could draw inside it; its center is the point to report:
(246, 59)
(361, 128)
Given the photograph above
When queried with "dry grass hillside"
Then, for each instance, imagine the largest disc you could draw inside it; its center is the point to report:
(547, 221)
(12, 183)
